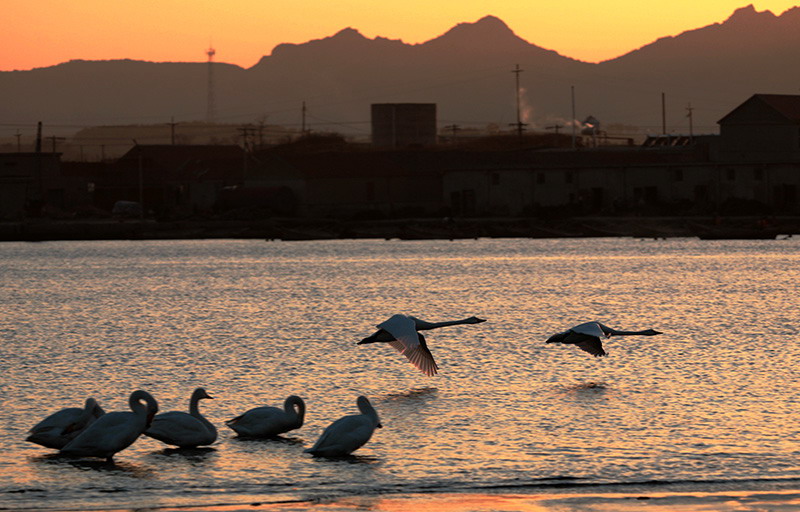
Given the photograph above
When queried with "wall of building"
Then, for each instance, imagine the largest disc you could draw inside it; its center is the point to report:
(402, 125)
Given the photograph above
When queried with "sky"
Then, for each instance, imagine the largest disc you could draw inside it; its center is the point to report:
(48, 32)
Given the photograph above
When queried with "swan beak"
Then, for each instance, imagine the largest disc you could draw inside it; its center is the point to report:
(378, 426)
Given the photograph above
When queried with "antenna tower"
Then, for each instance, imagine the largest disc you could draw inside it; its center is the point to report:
(210, 108)
(519, 124)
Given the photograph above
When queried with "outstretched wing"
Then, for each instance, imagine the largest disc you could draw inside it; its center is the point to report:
(404, 331)
(591, 329)
(592, 345)
(419, 356)
(587, 342)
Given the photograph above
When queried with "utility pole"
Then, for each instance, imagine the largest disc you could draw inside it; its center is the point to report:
(519, 124)
(663, 114)
(141, 184)
(210, 104)
(248, 132)
(555, 128)
(574, 127)
(303, 123)
(689, 115)
(19, 141)
(172, 125)
(55, 139)
(454, 128)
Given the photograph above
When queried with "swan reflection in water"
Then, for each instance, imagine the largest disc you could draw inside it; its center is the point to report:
(58, 460)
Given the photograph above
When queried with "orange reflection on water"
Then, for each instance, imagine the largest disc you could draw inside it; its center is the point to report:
(734, 501)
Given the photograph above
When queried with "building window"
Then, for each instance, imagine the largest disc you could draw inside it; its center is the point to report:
(730, 174)
(758, 174)
(370, 191)
(540, 178)
(568, 177)
(677, 174)
(495, 178)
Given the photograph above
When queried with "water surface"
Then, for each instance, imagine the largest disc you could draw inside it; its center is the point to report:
(713, 401)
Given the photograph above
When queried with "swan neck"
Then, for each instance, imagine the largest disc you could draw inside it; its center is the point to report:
(422, 325)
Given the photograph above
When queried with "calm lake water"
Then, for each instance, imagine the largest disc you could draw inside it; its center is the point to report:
(713, 402)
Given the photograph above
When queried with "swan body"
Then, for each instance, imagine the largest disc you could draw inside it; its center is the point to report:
(185, 430)
(270, 421)
(63, 426)
(114, 431)
(402, 333)
(588, 336)
(347, 434)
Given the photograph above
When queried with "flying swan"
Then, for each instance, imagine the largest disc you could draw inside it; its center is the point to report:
(588, 336)
(270, 421)
(347, 434)
(114, 431)
(182, 429)
(401, 332)
(63, 426)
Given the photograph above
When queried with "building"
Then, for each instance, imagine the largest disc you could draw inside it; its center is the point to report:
(29, 182)
(403, 125)
(765, 128)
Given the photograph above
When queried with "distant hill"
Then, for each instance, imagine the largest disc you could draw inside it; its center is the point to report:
(466, 71)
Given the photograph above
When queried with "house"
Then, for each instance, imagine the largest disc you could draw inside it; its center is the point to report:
(173, 179)
(29, 182)
(765, 128)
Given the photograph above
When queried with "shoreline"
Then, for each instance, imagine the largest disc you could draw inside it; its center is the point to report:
(684, 501)
(296, 229)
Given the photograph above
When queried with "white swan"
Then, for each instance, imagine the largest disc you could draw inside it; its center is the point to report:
(401, 332)
(270, 421)
(114, 431)
(182, 429)
(587, 336)
(347, 434)
(63, 426)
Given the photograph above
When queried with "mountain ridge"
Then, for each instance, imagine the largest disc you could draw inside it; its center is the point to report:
(466, 71)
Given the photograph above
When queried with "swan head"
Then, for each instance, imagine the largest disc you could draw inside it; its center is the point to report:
(366, 409)
(557, 338)
(295, 404)
(474, 320)
(200, 393)
(139, 396)
(651, 332)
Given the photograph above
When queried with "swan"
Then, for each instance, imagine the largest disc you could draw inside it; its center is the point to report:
(347, 434)
(587, 336)
(401, 332)
(270, 421)
(182, 429)
(62, 426)
(114, 431)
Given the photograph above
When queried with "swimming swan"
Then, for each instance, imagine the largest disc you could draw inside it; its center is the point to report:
(347, 434)
(270, 421)
(587, 336)
(63, 426)
(182, 429)
(114, 431)
(401, 332)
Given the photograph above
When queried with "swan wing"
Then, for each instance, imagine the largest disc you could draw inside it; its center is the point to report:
(260, 422)
(343, 436)
(59, 428)
(590, 329)
(404, 331)
(108, 435)
(180, 429)
(592, 345)
(420, 356)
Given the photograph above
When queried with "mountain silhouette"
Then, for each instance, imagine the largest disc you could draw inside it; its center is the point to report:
(466, 71)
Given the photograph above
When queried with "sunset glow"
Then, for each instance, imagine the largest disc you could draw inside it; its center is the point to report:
(49, 32)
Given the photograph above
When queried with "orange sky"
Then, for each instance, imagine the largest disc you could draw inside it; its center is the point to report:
(47, 32)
